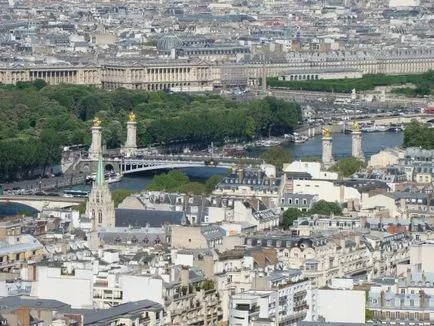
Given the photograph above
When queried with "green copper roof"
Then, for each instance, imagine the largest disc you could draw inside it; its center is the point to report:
(100, 172)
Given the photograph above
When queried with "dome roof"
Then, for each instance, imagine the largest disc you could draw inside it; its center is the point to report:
(169, 42)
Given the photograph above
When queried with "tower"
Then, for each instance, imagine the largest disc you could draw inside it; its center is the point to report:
(95, 150)
(130, 147)
(356, 137)
(327, 150)
(100, 207)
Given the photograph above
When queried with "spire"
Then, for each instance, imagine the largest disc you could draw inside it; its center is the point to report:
(100, 172)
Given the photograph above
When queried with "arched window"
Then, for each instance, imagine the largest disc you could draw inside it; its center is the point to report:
(99, 217)
(93, 214)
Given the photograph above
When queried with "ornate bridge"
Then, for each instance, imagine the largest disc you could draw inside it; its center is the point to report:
(42, 202)
(157, 162)
(135, 159)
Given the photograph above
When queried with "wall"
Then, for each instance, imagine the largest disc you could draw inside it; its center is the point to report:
(381, 201)
(383, 159)
(326, 190)
(313, 168)
(421, 254)
(75, 290)
(137, 288)
(182, 259)
(344, 306)
(188, 237)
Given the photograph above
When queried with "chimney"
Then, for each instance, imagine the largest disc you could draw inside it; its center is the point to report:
(240, 175)
(422, 298)
(185, 277)
(23, 316)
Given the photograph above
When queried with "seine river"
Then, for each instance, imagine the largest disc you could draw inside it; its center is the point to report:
(371, 142)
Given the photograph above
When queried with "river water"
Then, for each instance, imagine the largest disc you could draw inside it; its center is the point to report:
(371, 143)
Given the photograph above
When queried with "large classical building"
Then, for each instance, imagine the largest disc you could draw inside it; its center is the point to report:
(194, 74)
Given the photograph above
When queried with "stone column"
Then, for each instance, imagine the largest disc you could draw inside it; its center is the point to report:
(327, 151)
(95, 150)
(357, 152)
(130, 147)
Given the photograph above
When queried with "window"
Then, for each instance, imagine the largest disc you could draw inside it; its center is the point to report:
(304, 201)
(99, 217)
(290, 201)
(296, 201)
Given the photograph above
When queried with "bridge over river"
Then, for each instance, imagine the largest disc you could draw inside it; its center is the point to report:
(42, 202)
(139, 163)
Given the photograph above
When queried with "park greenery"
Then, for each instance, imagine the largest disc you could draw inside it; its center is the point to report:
(37, 119)
(423, 84)
(277, 155)
(118, 197)
(348, 166)
(320, 207)
(418, 135)
(177, 181)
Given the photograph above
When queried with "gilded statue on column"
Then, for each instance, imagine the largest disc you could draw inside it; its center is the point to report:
(326, 132)
(356, 126)
(96, 122)
(131, 117)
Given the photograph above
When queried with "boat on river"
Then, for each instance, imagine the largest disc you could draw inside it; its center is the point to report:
(109, 177)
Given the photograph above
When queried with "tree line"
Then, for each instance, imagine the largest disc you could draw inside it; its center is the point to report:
(424, 84)
(418, 135)
(36, 119)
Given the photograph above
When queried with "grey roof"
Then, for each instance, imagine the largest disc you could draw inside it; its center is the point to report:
(384, 281)
(321, 323)
(102, 317)
(13, 303)
(141, 217)
(140, 236)
(320, 71)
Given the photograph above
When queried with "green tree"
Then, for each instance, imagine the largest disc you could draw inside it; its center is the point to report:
(418, 135)
(119, 195)
(39, 84)
(277, 156)
(289, 216)
(348, 166)
(323, 207)
(192, 188)
(211, 183)
(171, 181)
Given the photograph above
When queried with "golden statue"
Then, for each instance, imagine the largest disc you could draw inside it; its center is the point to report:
(131, 117)
(96, 122)
(356, 126)
(326, 132)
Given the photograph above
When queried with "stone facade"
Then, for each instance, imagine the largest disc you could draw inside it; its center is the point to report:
(198, 75)
(95, 150)
(130, 147)
(357, 145)
(327, 152)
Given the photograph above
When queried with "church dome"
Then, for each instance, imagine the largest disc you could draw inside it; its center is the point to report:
(169, 42)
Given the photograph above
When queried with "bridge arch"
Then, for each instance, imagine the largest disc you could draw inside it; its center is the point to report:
(109, 167)
(143, 168)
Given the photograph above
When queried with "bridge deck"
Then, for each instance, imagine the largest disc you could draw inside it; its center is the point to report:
(58, 199)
